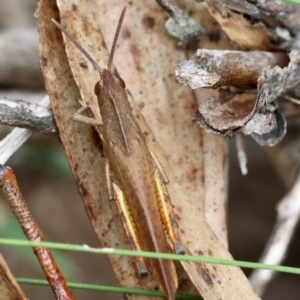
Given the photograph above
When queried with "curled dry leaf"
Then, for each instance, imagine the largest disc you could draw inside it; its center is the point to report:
(272, 13)
(227, 114)
(261, 123)
(9, 288)
(242, 6)
(271, 84)
(253, 37)
(275, 81)
(283, 14)
(275, 135)
(217, 68)
(254, 114)
(167, 114)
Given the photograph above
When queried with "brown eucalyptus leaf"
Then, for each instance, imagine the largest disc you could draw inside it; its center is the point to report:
(253, 37)
(83, 149)
(9, 288)
(214, 147)
(215, 157)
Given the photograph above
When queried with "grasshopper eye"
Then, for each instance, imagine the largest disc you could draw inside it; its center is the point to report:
(120, 81)
(98, 88)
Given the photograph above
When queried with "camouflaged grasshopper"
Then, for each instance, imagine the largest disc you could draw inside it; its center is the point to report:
(135, 178)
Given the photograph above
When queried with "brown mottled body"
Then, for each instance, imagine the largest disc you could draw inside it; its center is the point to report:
(133, 170)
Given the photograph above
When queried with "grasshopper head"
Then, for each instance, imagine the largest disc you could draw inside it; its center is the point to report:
(107, 85)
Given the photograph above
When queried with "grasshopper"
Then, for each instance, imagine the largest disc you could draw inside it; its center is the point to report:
(135, 177)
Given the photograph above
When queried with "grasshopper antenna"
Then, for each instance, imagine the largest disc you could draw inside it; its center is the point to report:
(72, 39)
(113, 48)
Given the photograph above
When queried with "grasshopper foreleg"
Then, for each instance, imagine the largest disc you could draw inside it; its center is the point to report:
(137, 106)
(78, 117)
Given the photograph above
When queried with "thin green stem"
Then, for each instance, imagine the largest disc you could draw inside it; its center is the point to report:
(110, 251)
(113, 289)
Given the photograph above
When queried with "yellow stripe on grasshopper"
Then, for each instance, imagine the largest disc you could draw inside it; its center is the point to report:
(166, 213)
(129, 227)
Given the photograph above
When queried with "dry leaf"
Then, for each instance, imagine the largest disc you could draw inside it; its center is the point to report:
(254, 37)
(217, 68)
(275, 135)
(227, 114)
(275, 81)
(272, 13)
(9, 288)
(230, 112)
(242, 6)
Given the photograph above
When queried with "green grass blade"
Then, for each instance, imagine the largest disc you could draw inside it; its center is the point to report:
(113, 289)
(110, 251)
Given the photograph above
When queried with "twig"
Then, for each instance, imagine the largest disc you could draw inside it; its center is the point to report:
(293, 100)
(180, 25)
(288, 214)
(27, 115)
(13, 141)
(13, 196)
(241, 153)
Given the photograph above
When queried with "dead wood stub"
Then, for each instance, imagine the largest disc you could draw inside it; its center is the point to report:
(217, 68)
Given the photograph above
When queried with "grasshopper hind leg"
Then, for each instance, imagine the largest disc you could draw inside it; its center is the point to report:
(108, 181)
(162, 172)
(167, 214)
(129, 227)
